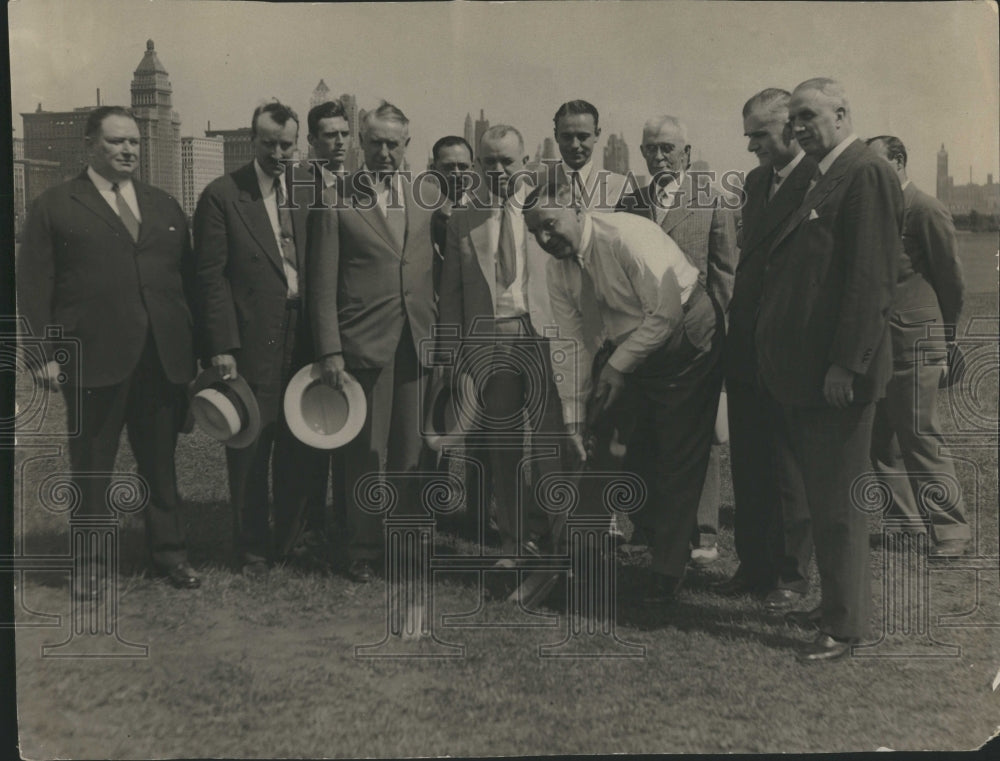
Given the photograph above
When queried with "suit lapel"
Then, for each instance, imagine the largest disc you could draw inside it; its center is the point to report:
(824, 186)
(680, 212)
(147, 210)
(251, 210)
(375, 219)
(89, 196)
(776, 210)
(484, 232)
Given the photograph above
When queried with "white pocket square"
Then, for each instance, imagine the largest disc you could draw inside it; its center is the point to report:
(813, 215)
(171, 229)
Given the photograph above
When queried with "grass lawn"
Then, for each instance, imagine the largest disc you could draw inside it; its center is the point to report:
(268, 669)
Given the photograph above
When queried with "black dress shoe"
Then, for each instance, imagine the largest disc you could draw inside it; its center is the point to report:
(804, 619)
(182, 576)
(824, 648)
(661, 589)
(782, 599)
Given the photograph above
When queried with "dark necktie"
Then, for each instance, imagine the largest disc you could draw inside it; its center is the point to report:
(775, 184)
(285, 223)
(506, 253)
(125, 212)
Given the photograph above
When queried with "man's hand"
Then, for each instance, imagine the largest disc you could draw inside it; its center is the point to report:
(610, 384)
(227, 366)
(333, 371)
(838, 388)
(577, 451)
(49, 376)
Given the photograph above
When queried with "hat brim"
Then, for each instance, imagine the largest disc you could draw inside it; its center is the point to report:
(357, 410)
(213, 375)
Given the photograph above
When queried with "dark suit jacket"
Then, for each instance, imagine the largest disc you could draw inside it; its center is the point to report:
(242, 288)
(79, 267)
(828, 288)
(362, 285)
(707, 236)
(762, 221)
(930, 286)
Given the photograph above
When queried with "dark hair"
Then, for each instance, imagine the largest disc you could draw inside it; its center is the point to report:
(96, 117)
(277, 111)
(575, 108)
(894, 147)
(329, 110)
(449, 140)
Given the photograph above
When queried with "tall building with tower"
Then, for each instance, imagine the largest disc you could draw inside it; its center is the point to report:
(942, 175)
(202, 160)
(320, 94)
(482, 124)
(469, 132)
(159, 125)
(616, 154)
(964, 199)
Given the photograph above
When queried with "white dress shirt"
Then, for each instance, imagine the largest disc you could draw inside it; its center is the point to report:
(513, 302)
(382, 190)
(266, 183)
(834, 154)
(780, 175)
(125, 187)
(641, 279)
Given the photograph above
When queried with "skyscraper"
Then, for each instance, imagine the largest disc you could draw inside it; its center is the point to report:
(942, 175)
(355, 156)
(482, 124)
(202, 160)
(321, 94)
(57, 136)
(616, 154)
(237, 147)
(159, 125)
(469, 133)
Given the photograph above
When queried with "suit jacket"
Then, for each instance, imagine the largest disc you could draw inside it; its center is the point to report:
(930, 286)
(78, 267)
(762, 221)
(603, 189)
(468, 285)
(704, 230)
(362, 283)
(242, 288)
(829, 284)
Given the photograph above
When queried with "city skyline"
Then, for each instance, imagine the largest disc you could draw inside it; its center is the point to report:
(224, 81)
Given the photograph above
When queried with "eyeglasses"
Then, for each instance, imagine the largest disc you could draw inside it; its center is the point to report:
(654, 149)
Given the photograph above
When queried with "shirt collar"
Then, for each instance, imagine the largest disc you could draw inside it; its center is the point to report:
(906, 183)
(329, 178)
(583, 171)
(834, 154)
(265, 180)
(103, 184)
(672, 186)
(787, 169)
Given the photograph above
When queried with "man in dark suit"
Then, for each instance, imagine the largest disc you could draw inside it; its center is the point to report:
(907, 445)
(250, 258)
(693, 213)
(452, 157)
(823, 347)
(771, 523)
(371, 295)
(109, 259)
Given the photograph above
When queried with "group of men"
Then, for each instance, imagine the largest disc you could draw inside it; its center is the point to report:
(581, 308)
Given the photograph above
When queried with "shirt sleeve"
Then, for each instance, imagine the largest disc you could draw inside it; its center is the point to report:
(575, 385)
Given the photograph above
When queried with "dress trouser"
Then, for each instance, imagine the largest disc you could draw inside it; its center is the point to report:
(828, 449)
(519, 396)
(771, 527)
(294, 467)
(908, 451)
(389, 441)
(673, 397)
(151, 407)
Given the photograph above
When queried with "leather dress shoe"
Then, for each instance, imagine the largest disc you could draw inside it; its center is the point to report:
(500, 581)
(782, 599)
(661, 589)
(823, 648)
(950, 548)
(804, 619)
(361, 571)
(182, 576)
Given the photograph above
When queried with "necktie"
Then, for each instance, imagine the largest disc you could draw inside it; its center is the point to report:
(395, 214)
(125, 212)
(506, 253)
(285, 223)
(775, 184)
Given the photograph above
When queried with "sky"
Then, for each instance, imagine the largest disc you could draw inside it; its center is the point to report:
(926, 72)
